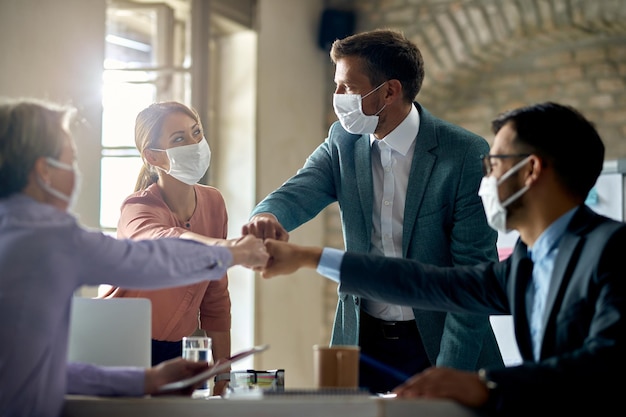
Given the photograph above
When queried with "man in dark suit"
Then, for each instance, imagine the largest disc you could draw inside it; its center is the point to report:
(406, 184)
(564, 283)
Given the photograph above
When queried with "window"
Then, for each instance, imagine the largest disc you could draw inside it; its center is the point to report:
(146, 60)
(153, 54)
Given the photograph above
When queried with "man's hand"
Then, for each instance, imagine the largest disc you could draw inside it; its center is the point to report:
(287, 258)
(438, 382)
(250, 252)
(171, 371)
(265, 226)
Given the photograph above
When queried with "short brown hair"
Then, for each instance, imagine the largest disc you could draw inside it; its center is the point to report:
(387, 55)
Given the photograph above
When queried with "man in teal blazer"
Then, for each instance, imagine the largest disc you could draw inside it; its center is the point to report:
(563, 284)
(431, 180)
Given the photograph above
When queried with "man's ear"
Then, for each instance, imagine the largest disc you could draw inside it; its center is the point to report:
(393, 90)
(536, 168)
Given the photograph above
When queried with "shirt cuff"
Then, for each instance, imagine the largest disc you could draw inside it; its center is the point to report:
(330, 263)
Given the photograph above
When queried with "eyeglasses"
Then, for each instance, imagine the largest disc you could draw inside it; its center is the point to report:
(487, 168)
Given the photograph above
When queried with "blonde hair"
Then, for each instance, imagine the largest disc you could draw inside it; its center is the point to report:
(148, 127)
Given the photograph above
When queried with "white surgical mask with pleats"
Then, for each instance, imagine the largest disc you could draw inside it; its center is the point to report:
(488, 192)
(349, 111)
(69, 199)
(189, 163)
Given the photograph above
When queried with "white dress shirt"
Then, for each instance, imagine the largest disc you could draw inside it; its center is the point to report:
(391, 164)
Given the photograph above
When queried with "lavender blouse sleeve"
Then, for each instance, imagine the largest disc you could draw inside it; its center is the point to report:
(88, 379)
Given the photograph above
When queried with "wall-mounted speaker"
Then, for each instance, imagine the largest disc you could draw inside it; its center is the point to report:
(335, 24)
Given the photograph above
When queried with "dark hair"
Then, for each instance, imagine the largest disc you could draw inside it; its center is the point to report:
(148, 126)
(387, 55)
(562, 137)
(29, 129)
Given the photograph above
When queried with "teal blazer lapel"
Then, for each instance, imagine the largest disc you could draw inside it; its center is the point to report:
(365, 185)
(421, 170)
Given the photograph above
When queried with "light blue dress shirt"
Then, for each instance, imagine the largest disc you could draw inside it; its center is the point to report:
(330, 263)
(543, 255)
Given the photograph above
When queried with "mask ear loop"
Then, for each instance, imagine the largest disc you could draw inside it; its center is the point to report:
(508, 174)
(151, 160)
(513, 169)
(362, 97)
(515, 196)
(45, 182)
(383, 83)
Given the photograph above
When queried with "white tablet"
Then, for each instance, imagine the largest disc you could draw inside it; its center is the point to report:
(211, 372)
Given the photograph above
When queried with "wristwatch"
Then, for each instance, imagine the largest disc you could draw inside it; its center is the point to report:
(484, 378)
(494, 398)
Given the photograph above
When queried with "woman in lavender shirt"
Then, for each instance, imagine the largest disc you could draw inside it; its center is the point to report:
(45, 256)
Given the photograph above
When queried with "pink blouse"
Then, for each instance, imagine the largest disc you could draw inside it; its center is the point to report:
(144, 215)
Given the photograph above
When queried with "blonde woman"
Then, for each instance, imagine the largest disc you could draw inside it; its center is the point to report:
(169, 202)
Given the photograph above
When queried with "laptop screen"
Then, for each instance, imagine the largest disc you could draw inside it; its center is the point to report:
(111, 332)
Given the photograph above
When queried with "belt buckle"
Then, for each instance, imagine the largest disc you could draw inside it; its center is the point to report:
(388, 330)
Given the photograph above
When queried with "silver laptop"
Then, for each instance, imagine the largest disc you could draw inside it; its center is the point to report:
(112, 332)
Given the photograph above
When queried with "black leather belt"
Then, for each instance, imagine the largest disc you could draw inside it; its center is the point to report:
(392, 330)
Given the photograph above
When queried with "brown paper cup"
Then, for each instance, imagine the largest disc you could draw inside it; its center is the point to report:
(336, 366)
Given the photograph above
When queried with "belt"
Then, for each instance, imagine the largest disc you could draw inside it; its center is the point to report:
(392, 330)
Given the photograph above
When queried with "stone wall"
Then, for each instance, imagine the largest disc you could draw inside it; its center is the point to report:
(486, 56)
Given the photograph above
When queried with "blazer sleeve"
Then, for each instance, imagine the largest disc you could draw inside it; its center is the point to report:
(308, 192)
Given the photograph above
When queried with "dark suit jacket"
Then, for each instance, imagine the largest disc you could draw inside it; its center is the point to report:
(583, 353)
(444, 224)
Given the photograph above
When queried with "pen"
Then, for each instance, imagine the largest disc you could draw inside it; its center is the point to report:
(399, 375)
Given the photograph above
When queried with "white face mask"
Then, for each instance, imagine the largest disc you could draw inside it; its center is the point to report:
(349, 110)
(189, 163)
(69, 199)
(488, 192)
